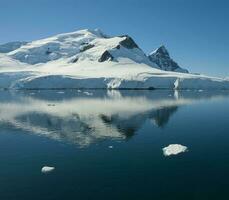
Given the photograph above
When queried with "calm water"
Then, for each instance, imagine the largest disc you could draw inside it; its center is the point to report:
(72, 131)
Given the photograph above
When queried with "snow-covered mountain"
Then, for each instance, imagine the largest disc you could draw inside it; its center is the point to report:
(83, 45)
(161, 57)
(11, 46)
(91, 59)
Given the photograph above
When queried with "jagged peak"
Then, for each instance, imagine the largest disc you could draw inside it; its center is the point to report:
(161, 51)
(128, 42)
(162, 58)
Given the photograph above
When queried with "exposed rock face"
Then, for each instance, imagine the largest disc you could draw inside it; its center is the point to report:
(118, 47)
(128, 42)
(75, 60)
(106, 56)
(11, 46)
(162, 58)
(86, 47)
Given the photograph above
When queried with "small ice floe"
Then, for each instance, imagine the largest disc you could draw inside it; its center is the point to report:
(88, 93)
(47, 169)
(32, 93)
(60, 92)
(174, 149)
(78, 90)
(110, 147)
(200, 90)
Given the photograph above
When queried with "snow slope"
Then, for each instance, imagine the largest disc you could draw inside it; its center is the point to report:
(91, 59)
(11, 46)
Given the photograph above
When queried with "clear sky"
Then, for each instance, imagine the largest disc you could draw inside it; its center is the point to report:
(196, 32)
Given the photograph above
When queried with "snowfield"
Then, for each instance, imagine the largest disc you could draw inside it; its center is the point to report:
(91, 59)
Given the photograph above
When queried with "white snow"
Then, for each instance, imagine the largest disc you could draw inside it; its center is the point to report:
(47, 169)
(50, 63)
(174, 149)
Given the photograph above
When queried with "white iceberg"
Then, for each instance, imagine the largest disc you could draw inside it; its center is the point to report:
(47, 169)
(174, 149)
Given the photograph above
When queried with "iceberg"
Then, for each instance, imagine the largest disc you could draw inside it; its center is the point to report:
(174, 149)
(47, 169)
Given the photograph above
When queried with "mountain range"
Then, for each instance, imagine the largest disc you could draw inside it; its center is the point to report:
(92, 59)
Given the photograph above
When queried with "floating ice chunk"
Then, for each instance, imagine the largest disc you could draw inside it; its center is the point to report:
(110, 147)
(47, 169)
(60, 92)
(88, 93)
(200, 90)
(174, 149)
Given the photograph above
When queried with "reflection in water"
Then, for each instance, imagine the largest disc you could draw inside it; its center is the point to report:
(75, 117)
(163, 115)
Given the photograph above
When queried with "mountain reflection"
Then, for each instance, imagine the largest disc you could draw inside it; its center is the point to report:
(85, 117)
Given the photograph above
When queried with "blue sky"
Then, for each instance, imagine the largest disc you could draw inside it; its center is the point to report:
(196, 32)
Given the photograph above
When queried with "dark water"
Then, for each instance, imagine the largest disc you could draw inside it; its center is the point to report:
(72, 131)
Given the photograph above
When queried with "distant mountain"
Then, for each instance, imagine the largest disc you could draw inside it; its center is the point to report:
(91, 45)
(83, 45)
(161, 57)
(92, 59)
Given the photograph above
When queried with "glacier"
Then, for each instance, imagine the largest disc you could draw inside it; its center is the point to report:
(90, 59)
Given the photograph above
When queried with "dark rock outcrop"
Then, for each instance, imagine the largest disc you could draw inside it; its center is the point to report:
(162, 58)
(106, 56)
(86, 47)
(48, 51)
(128, 42)
(118, 47)
(75, 60)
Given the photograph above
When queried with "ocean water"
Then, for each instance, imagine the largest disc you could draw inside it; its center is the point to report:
(109, 144)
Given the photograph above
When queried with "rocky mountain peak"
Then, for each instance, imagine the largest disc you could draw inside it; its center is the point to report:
(163, 60)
